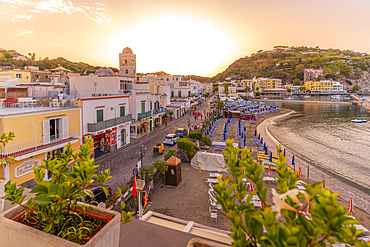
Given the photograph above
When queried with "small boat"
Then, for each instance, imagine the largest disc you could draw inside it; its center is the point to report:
(289, 98)
(359, 121)
(307, 96)
(335, 97)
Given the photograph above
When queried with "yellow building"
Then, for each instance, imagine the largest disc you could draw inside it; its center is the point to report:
(41, 132)
(23, 76)
(316, 86)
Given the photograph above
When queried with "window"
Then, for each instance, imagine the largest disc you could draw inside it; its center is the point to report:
(125, 85)
(125, 62)
(189, 93)
(151, 107)
(179, 93)
(172, 94)
(27, 77)
(18, 76)
(99, 116)
(55, 130)
(143, 107)
(122, 111)
(177, 79)
(167, 79)
(126, 71)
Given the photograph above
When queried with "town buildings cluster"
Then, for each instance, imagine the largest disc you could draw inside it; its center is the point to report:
(110, 108)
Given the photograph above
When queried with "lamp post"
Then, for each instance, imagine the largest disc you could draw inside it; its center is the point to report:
(141, 153)
(115, 114)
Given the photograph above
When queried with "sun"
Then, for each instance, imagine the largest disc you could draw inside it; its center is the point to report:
(176, 45)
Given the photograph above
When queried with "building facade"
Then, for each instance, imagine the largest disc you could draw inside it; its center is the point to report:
(312, 74)
(40, 133)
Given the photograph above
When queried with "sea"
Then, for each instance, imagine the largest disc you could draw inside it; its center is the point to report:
(324, 135)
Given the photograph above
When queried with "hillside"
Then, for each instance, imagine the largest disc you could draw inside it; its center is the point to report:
(288, 63)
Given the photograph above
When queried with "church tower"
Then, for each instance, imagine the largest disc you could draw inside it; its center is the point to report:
(127, 63)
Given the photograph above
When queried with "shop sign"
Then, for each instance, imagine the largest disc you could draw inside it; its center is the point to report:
(113, 136)
(26, 167)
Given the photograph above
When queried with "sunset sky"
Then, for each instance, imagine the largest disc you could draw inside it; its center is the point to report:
(200, 37)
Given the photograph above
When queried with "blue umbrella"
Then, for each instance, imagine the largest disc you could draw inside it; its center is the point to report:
(266, 153)
(255, 133)
(259, 137)
(271, 157)
(242, 134)
(293, 160)
(284, 152)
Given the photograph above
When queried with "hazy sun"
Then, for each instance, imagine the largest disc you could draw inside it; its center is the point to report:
(176, 45)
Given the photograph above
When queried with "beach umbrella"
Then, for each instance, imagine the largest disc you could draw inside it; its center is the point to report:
(271, 157)
(266, 153)
(350, 204)
(293, 160)
(270, 173)
(261, 139)
(300, 172)
(259, 136)
(284, 152)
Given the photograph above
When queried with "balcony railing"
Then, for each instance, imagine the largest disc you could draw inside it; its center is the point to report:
(93, 127)
(144, 115)
(33, 145)
(156, 111)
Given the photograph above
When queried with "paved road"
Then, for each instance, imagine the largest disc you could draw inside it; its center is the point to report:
(121, 161)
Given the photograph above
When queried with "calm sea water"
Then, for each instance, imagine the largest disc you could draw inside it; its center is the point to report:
(325, 135)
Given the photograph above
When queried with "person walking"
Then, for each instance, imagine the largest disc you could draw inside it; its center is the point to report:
(135, 172)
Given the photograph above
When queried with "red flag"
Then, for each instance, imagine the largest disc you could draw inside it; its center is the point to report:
(251, 184)
(300, 172)
(323, 186)
(134, 187)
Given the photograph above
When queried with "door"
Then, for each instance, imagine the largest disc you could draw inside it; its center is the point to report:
(123, 137)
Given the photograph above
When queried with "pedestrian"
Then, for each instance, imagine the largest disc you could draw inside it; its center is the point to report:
(195, 118)
(136, 170)
(201, 117)
(60, 98)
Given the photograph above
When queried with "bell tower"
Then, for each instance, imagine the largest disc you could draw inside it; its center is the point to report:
(127, 63)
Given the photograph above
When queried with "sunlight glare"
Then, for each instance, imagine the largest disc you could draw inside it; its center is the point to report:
(176, 45)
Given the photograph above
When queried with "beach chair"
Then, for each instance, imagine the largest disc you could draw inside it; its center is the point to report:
(214, 175)
(213, 214)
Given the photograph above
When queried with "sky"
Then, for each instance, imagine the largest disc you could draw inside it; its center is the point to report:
(193, 37)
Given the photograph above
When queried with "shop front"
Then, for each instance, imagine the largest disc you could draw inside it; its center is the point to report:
(141, 127)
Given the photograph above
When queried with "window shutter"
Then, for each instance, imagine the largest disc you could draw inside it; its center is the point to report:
(65, 127)
(45, 132)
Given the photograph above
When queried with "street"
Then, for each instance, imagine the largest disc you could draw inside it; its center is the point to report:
(121, 161)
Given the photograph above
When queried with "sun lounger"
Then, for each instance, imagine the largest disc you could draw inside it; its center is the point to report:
(269, 179)
(212, 180)
(214, 175)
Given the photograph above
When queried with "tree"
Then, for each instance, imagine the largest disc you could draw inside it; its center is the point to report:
(296, 82)
(289, 90)
(8, 55)
(356, 87)
(309, 217)
(302, 88)
(299, 68)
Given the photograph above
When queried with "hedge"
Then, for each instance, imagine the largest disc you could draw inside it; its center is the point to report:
(195, 134)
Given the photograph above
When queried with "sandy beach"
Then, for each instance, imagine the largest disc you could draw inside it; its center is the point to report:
(189, 200)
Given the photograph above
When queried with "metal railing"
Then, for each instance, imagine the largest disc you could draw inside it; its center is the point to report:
(144, 115)
(93, 127)
(33, 145)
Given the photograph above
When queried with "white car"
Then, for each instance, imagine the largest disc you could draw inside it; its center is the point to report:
(170, 139)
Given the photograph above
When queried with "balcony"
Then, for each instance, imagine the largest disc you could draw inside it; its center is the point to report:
(37, 144)
(144, 115)
(93, 127)
(156, 111)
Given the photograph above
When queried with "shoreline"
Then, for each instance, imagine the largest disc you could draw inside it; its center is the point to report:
(333, 181)
(305, 101)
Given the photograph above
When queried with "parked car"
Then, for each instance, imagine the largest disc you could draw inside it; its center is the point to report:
(181, 132)
(171, 139)
(99, 195)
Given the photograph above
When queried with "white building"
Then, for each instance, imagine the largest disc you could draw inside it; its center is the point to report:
(107, 120)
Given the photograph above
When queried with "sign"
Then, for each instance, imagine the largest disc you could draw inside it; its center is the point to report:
(26, 167)
(113, 137)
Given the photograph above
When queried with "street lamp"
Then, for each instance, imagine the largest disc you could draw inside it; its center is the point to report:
(141, 153)
(115, 114)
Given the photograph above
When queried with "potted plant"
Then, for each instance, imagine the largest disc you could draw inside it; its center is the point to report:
(164, 117)
(53, 217)
(170, 113)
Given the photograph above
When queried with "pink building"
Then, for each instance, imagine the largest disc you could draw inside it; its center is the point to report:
(312, 74)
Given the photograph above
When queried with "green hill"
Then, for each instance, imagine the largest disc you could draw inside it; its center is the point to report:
(288, 63)
(6, 59)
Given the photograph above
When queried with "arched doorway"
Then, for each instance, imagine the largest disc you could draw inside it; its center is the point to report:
(123, 137)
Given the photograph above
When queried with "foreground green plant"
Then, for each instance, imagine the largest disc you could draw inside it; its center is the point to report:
(4, 139)
(55, 202)
(297, 218)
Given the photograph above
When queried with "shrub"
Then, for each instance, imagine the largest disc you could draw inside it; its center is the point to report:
(170, 153)
(195, 134)
(160, 166)
(146, 172)
(349, 82)
(205, 139)
(187, 145)
(258, 93)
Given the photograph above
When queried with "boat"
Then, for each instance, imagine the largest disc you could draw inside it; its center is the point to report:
(289, 98)
(335, 97)
(307, 96)
(359, 121)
